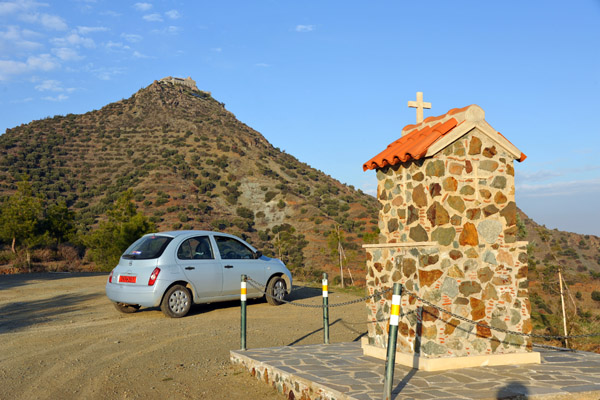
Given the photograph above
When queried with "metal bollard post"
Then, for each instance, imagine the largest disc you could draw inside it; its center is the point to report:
(392, 337)
(325, 310)
(243, 318)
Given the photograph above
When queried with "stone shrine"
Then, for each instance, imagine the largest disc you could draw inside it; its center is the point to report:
(448, 223)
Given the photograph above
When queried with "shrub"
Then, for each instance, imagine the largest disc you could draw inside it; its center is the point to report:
(245, 212)
(269, 196)
(596, 295)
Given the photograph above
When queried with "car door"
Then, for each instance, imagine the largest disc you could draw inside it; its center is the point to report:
(238, 259)
(196, 257)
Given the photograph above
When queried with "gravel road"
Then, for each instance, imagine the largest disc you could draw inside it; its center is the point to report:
(61, 338)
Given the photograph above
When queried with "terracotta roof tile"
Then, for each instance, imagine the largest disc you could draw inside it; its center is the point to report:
(417, 139)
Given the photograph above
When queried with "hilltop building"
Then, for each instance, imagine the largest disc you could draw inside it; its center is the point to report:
(189, 82)
(448, 223)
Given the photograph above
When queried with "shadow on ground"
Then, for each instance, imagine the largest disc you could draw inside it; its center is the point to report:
(23, 314)
(16, 280)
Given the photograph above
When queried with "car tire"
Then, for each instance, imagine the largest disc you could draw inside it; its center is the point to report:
(126, 308)
(176, 302)
(276, 291)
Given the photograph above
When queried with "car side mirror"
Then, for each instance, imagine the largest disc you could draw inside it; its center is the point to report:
(258, 254)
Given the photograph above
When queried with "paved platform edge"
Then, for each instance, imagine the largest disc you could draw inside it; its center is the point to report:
(284, 382)
(268, 365)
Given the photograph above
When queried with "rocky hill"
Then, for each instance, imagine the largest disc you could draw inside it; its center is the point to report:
(190, 164)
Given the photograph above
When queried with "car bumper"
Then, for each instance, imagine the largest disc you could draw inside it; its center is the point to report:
(145, 296)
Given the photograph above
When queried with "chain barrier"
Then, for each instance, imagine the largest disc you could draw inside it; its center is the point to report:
(260, 287)
(533, 335)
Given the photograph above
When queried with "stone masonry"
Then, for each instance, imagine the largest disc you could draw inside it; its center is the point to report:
(449, 231)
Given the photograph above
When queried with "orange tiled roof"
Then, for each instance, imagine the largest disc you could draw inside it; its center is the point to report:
(417, 139)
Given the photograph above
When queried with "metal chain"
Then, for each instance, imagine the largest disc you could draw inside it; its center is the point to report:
(533, 335)
(260, 287)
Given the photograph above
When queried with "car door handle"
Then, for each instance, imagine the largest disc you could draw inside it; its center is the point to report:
(229, 266)
(190, 268)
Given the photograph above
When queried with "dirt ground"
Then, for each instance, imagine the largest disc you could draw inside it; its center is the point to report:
(61, 338)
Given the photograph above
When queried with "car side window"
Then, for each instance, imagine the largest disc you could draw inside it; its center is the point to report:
(196, 248)
(232, 249)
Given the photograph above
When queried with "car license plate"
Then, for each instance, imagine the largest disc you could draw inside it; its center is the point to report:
(127, 279)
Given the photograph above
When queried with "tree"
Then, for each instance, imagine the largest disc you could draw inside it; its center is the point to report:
(124, 225)
(19, 216)
(58, 223)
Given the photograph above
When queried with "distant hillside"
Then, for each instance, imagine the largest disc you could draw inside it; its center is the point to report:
(578, 256)
(191, 164)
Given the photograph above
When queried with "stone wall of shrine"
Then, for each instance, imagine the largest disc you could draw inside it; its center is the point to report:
(449, 234)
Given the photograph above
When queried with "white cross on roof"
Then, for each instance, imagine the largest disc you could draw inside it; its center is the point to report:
(419, 105)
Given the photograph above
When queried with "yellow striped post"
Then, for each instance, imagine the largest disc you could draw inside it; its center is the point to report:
(325, 310)
(392, 337)
(243, 318)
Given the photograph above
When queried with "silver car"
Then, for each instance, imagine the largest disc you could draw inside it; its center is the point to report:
(175, 269)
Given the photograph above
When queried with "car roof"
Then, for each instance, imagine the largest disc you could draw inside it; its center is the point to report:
(175, 234)
(179, 233)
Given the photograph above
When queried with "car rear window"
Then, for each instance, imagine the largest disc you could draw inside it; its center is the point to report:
(147, 247)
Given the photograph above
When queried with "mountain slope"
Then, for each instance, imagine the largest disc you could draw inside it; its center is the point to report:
(191, 164)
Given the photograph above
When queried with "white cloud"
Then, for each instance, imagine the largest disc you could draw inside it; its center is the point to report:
(110, 13)
(86, 30)
(116, 46)
(153, 18)
(573, 188)
(10, 67)
(11, 7)
(67, 54)
(142, 6)
(74, 39)
(50, 85)
(52, 22)
(104, 73)
(60, 97)
(173, 14)
(131, 37)
(137, 54)
(262, 65)
(216, 49)
(42, 62)
(18, 39)
(304, 28)
(170, 30)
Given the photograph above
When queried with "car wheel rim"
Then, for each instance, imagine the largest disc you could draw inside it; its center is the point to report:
(279, 290)
(178, 301)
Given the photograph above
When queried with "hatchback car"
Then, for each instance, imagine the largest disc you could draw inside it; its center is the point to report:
(175, 269)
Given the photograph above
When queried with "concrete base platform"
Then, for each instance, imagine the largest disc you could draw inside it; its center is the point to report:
(342, 372)
(450, 363)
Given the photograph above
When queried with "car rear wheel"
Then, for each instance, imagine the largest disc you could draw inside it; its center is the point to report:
(177, 301)
(127, 308)
(276, 291)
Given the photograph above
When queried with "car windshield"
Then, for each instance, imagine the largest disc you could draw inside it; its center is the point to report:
(148, 247)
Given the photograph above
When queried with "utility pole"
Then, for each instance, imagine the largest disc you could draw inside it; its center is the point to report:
(562, 303)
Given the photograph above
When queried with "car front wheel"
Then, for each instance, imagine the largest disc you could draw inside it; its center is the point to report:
(177, 302)
(276, 291)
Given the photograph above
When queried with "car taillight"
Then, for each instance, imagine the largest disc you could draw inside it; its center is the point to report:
(110, 277)
(153, 276)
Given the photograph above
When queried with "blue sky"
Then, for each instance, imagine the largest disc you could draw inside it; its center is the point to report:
(329, 81)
